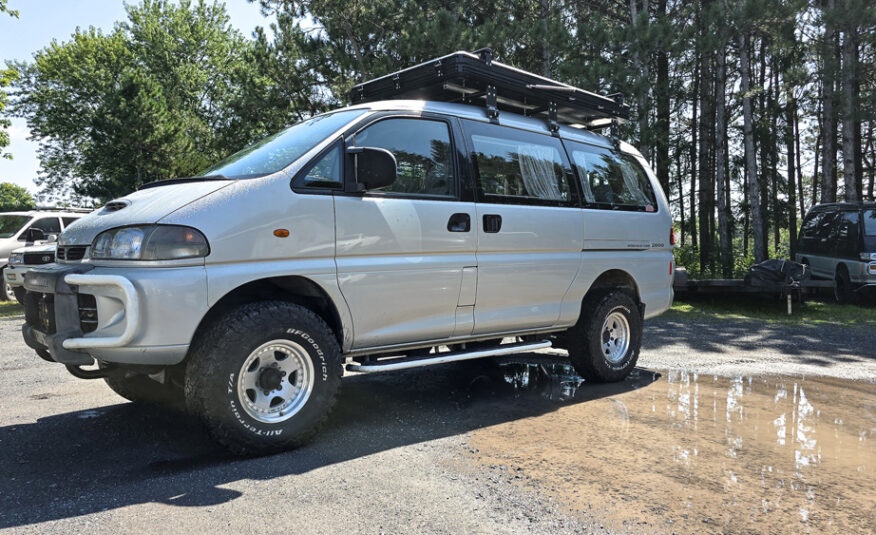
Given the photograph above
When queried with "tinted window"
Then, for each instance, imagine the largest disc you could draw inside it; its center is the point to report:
(870, 222)
(69, 221)
(847, 235)
(281, 149)
(422, 151)
(513, 165)
(325, 173)
(807, 229)
(10, 224)
(49, 225)
(613, 181)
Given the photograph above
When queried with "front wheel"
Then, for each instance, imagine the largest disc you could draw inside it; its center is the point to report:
(264, 377)
(6, 292)
(604, 344)
(842, 290)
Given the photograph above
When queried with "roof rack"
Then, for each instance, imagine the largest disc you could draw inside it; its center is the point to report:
(474, 78)
(62, 209)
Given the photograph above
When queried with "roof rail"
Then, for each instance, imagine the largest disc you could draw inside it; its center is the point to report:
(62, 209)
(476, 78)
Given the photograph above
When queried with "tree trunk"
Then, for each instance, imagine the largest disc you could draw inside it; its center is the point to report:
(693, 157)
(751, 177)
(790, 114)
(798, 166)
(720, 157)
(680, 194)
(849, 111)
(663, 108)
(545, 6)
(707, 192)
(828, 158)
(640, 60)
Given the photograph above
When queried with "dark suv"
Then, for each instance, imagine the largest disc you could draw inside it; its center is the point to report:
(838, 241)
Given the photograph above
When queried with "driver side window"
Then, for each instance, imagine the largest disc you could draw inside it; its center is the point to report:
(49, 225)
(422, 150)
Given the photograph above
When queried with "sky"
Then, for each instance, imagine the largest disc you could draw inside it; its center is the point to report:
(41, 21)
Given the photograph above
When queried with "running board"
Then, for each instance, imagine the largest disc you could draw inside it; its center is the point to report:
(403, 363)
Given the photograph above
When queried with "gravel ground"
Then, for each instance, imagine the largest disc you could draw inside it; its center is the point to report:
(394, 457)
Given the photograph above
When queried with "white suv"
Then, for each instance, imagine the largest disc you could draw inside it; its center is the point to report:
(21, 229)
(386, 235)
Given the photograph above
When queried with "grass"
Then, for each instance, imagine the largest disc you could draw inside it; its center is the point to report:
(773, 311)
(10, 308)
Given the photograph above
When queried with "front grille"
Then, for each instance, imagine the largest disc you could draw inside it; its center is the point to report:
(39, 311)
(72, 253)
(87, 313)
(36, 259)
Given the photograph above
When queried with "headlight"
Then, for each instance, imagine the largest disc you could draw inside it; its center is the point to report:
(16, 258)
(150, 242)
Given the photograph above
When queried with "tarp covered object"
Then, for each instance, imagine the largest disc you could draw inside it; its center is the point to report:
(777, 273)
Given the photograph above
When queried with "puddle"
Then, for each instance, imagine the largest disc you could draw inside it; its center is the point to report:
(676, 452)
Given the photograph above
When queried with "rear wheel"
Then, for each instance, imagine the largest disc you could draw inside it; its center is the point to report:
(604, 344)
(264, 377)
(843, 290)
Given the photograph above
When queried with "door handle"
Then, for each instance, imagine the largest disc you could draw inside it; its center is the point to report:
(492, 223)
(460, 222)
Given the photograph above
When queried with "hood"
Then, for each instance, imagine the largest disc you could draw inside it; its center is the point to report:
(45, 248)
(139, 208)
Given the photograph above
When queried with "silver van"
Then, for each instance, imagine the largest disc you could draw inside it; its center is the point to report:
(386, 235)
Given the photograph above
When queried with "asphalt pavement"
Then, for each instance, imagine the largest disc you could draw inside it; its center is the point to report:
(397, 455)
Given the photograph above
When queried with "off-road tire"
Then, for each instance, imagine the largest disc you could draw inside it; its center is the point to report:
(141, 389)
(585, 338)
(216, 358)
(19, 292)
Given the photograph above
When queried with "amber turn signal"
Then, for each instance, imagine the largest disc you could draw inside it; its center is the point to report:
(281, 233)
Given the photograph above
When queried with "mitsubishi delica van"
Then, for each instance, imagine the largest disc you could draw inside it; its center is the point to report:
(458, 209)
(838, 241)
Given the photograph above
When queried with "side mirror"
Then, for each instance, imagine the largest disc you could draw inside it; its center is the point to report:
(52, 238)
(374, 168)
(34, 235)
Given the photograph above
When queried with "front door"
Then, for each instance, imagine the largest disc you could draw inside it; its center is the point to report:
(402, 251)
(530, 228)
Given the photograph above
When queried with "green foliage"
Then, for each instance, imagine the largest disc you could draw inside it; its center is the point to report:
(7, 77)
(810, 312)
(153, 99)
(13, 197)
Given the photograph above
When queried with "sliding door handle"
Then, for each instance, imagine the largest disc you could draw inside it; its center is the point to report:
(460, 222)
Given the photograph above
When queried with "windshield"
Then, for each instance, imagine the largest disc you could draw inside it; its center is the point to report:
(10, 224)
(281, 149)
(870, 222)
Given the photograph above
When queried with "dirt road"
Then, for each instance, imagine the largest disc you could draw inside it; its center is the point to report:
(476, 448)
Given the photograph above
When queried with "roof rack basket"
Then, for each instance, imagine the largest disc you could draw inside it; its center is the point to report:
(474, 78)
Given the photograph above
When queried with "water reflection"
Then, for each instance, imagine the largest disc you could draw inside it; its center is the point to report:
(681, 452)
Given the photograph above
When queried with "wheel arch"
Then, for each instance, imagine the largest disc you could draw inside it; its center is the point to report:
(294, 289)
(613, 279)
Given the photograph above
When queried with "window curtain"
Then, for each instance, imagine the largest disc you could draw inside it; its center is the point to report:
(585, 167)
(537, 171)
(632, 183)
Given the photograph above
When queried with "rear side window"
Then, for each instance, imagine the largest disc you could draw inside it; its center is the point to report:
(69, 221)
(516, 166)
(810, 225)
(422, 150)
(612, 181)
(870, 222)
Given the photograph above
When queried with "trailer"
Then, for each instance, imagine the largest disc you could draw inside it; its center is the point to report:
(684, 286)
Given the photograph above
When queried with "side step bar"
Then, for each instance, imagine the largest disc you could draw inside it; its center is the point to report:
(403, 363)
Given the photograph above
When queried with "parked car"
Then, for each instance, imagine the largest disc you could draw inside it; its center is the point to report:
(386, 235)
(20, 262)
(19, 229)
(838, 242)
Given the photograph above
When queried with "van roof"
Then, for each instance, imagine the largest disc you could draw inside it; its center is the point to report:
(843, 206)
(479, 113)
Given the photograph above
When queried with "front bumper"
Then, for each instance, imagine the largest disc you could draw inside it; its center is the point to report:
(14, 275)
(79, 312)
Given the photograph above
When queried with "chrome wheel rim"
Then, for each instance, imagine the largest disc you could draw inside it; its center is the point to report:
(275, 381)
(615, 337)
(10, 294)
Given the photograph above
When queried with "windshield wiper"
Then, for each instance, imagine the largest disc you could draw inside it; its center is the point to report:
(182, 180)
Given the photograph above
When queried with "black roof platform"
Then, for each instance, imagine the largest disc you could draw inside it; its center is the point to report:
(474, 78)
